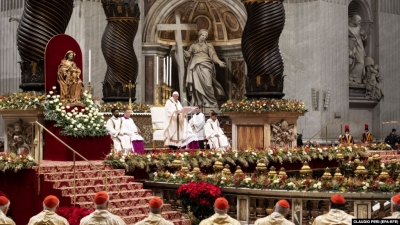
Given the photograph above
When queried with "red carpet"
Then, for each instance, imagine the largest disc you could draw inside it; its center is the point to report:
(128, 199)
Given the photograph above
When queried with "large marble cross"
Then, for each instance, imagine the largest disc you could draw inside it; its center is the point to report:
(178, 27)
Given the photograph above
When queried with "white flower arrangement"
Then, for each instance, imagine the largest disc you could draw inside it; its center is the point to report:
(86, 123)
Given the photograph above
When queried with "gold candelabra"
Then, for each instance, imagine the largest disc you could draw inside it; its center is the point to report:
(157, 95)
(89, 87)
(164, 93)
(130, 86)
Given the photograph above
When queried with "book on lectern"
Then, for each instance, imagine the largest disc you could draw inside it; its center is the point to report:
(187, 109)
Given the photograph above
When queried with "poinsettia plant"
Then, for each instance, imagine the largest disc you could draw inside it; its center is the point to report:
(200, 196)
(73, 214)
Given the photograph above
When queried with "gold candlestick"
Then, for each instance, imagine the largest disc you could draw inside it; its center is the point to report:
(157, 95)
(89, 86)
(164, 100)
(130, 86)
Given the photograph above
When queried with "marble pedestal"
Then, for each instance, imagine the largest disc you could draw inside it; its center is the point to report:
(253, 130)
(29, 116)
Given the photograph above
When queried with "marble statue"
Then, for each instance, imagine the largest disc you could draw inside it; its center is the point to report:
(19, 135)
(282, 134)
(356, 50)
(201, 81)
(71, 86)
(372, 82)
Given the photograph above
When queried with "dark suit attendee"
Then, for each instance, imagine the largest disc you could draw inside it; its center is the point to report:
(392, 138)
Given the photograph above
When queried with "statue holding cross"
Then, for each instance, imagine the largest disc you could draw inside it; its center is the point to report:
(178, 27)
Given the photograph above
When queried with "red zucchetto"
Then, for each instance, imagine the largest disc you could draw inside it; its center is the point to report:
(155, 203)
(51, 201)
(396, 199)
(3, 201)
(221, 203)
(338, 199)
(283, 203)
(100, 198)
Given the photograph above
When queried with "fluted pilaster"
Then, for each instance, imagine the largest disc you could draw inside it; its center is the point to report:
(260, 46)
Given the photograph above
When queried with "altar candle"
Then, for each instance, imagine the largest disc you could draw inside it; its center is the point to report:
(165, 69)
(166, 77)
(157, 69)
(170, 71)
(90, 64)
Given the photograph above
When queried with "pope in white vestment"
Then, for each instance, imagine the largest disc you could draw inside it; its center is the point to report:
(176, 133)
(114, 127)
(129, 128)
(174, 122)
(214, 134)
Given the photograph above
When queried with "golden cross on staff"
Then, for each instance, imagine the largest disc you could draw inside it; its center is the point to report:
(130, 86)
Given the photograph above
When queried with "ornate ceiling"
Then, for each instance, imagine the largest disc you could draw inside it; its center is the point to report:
(221, 22)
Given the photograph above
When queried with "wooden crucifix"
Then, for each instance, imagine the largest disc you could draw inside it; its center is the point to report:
(178, 27)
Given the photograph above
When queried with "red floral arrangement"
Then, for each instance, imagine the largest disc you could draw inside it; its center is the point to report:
(73, 214)
(200, 196)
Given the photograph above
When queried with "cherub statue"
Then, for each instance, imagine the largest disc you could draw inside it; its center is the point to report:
(372, 82)
(19, 135)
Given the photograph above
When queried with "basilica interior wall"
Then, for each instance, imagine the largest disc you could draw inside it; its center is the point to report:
(9, 67)
(314, 49)
(389, 58)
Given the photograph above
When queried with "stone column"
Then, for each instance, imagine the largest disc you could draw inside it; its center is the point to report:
(117, 46)
(260, 46)
(41, 20)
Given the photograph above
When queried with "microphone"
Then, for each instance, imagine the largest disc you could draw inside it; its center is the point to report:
(186, 101)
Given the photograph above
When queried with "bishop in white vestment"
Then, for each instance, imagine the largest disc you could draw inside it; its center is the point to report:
(214, 134)
(4, 206)
(48, 215)
(121, 140)
(129, 128)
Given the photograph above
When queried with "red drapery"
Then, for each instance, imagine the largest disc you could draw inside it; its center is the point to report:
(92, 148)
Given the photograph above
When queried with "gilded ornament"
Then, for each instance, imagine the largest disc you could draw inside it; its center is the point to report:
(327, 175)
(238, 171)
(261, 167)
(305, 171)
(272, 172)
(177, 163)
(282, 173)
(218, 166)
(384, 174)
(226, 171)
(337, 173)
(360, 170)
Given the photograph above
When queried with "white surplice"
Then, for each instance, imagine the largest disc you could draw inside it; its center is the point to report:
(211, 129)
(102, 217)
(197, 124)
(48, 217)
(115, 128)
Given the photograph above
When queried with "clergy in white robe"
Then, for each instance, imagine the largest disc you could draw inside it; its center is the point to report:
(395, 207)
(221, 207)
(121, 140)
(281, 210)
(101, 215)
(155, 205)
(4, 206)
(174, 122)
(129, 128)
(214, 134)
(196, 123)
(336, 214)
(48, 215)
